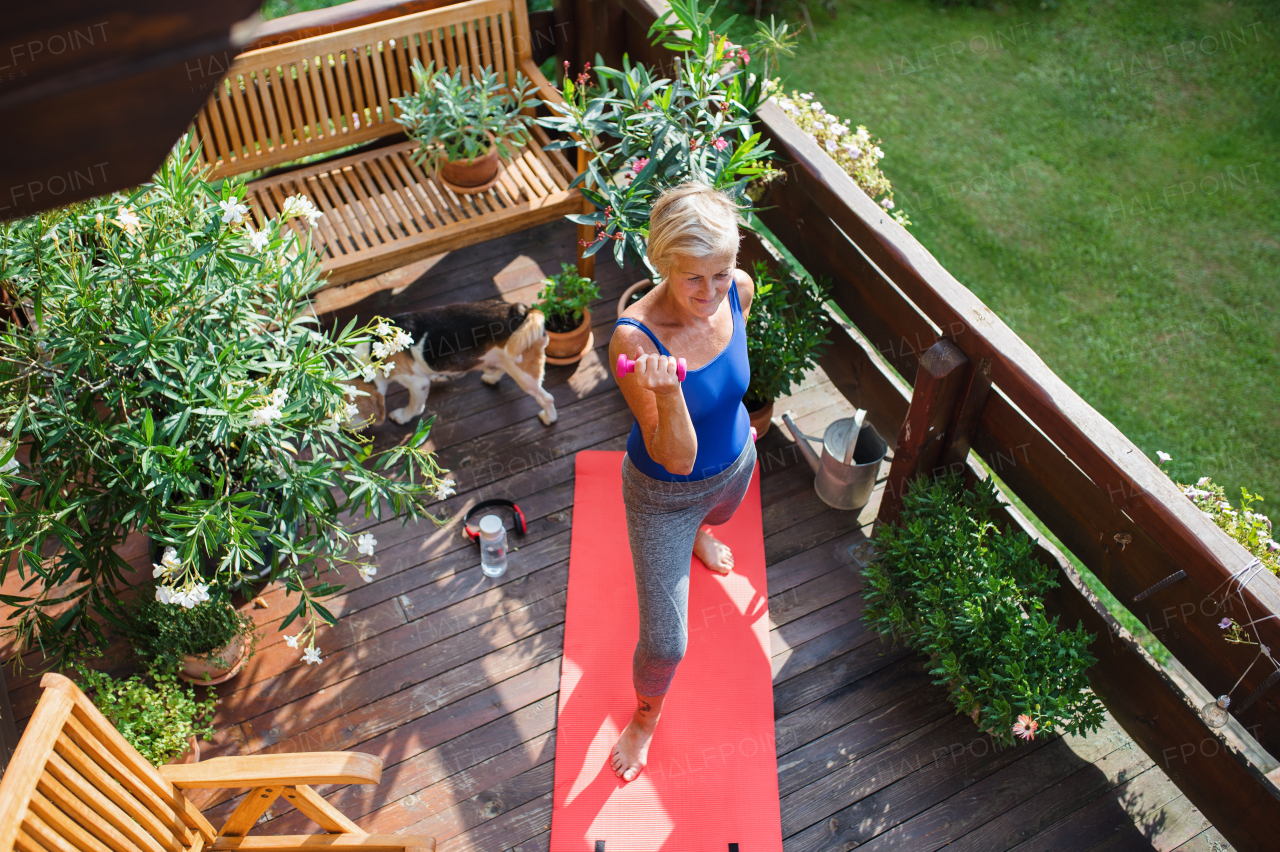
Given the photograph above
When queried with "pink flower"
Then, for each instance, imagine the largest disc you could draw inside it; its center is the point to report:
(639, 164)
(720, 144)
(1025, 727)
(1224, 623)
(744, 56)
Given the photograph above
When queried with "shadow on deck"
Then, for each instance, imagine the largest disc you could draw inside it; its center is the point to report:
(452, 677)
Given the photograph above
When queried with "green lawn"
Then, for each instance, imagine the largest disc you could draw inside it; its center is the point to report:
(1104, 176)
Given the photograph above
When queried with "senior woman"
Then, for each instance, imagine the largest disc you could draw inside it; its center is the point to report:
(691, 454)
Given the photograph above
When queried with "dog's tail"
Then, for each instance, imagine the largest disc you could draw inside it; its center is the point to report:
(530, 332)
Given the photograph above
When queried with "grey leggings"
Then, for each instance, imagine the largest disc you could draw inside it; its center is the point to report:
(663, 519)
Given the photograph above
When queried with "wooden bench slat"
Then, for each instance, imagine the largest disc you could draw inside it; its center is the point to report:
(60, 809)
(390, 190)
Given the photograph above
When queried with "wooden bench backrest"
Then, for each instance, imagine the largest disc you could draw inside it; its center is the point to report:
(75, 785)
(288, 101)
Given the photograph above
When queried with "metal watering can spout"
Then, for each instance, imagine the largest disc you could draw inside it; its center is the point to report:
(802, 441)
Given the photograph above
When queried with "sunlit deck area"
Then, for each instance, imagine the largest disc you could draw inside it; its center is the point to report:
(452, 678)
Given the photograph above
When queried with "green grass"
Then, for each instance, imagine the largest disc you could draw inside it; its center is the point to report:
(1116, 203)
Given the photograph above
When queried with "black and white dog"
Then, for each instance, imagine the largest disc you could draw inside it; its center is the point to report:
(491, 335)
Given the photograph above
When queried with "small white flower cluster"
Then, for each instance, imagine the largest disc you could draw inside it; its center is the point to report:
(311, 655)
(391, 340)
(445, 489)
(299, 205)
(365, 544)
(127, 219)
(169, 566)
(1253, 530)
(852, 150)
(265, 414)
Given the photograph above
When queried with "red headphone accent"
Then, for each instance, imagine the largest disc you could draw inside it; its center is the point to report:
(516, 514)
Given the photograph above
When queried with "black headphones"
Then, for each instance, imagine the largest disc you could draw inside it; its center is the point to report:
(516, 514)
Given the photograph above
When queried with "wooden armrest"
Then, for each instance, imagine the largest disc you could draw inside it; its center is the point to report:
(262, 770)
(545, 89)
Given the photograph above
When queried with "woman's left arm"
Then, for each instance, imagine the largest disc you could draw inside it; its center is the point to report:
(746, 290)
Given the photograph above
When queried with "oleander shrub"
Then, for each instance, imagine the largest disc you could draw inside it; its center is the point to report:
(950, 583)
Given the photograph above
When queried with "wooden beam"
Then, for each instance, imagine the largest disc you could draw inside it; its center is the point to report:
(938, 385)
(960, 431)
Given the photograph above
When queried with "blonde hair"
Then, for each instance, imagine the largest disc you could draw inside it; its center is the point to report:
(692, 220)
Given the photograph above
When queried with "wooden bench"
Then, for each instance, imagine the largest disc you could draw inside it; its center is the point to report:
(314, 96)
(75, 785)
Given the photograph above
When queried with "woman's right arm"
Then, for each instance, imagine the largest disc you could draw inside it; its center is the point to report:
(656, 399)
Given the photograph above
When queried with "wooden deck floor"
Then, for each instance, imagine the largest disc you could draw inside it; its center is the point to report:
(452, 677)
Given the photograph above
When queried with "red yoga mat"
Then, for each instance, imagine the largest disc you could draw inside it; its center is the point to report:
(711, 781)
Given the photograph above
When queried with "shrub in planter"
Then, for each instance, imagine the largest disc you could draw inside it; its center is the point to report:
(156, 713)
(948, 582)
(208, 639)
(464, 126)
(786, 334)
(646, 133)
(175, 382)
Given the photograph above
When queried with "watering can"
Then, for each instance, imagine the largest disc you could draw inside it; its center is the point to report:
(851, 454)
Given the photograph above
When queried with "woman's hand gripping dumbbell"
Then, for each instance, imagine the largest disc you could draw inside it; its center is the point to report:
(655, 372)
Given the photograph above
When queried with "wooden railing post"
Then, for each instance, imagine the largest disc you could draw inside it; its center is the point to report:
(939, 383)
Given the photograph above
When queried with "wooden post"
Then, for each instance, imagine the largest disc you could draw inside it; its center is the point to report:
(939, 382)
(963, 426)
(586, 233)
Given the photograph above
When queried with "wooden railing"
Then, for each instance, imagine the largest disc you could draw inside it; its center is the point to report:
(984, 388)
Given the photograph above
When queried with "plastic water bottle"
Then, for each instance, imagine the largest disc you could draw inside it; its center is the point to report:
(493, 546)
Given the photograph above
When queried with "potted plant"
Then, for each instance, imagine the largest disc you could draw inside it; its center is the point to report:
(464, 126)
(644, 133)
(154, 712)
(786, 335)
(206, 641)
(193, 399)
(564, 301)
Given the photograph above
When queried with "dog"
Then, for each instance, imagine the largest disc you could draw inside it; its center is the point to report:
(491, 335)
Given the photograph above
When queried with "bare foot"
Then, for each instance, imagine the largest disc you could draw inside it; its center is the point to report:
(713, 552)
(631, 752)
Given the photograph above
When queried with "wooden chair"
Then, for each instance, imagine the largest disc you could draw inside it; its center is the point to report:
(75, 785)
(313, 96)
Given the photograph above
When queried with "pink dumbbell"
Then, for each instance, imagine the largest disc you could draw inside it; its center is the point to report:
(626, 365)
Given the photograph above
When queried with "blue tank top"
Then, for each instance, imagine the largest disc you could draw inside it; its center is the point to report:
(713, 394)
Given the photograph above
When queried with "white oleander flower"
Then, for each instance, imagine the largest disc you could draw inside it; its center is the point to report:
(445, 489)
(351, 412)
(365, 544)
(164, 594)
(367, 572)
(264, 415)
(380, 349)
(311, 656)
(384, 329)
(279, 397)
(299, 205)
(258, 240)
(128, 220)
(168, 563)
(369, 373)
(388, 367)
(292, 641)
(232, 210)
(402, 340)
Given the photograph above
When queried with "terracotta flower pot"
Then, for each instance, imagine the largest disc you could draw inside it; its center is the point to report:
(471, 176)
(761, 418)
(233, 657)
(569, 347)
(638, 287)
